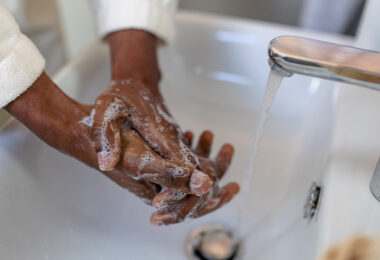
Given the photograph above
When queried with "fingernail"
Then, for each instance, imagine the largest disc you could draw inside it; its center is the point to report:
(212, 203)
(200, 183)
(164, 199)
(159, 204)
(162, 219)
(104, 161)
(156, 222)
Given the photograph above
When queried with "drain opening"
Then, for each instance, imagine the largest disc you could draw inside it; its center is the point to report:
(214, 242)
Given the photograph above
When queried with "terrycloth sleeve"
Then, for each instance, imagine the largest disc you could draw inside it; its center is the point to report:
(154, 16)
(20, 61)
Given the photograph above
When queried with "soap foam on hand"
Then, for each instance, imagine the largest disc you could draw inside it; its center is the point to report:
(146, 159)
(159, 120)
(108, 152)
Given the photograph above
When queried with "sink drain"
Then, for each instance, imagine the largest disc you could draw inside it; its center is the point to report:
(214, 242)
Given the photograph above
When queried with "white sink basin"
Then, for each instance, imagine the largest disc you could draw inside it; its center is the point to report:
(53, 207)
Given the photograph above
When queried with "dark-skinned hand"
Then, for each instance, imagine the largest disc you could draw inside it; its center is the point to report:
(173, 208)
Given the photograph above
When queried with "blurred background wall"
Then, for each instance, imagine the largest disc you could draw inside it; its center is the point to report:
(278, 11)
(69, 25)
(334, 16)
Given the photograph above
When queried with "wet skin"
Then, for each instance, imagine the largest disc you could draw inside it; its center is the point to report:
(130, 135)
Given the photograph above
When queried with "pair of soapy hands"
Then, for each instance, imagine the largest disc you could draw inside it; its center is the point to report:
(129, 135)
(140, 143)
(136, 138)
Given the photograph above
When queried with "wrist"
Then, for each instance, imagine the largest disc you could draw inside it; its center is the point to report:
(134, 55)
(54, 117)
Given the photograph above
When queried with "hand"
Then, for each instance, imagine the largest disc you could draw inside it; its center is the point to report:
(135, 92)
(141, 163)
(145, 173)
(146, 104)
(133, 100)
(174, 209)
(134, 95)
(66, 126)
(133, 55)
(58, 120)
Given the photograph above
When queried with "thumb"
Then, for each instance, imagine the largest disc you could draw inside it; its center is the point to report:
(174, 176)
(105, 135)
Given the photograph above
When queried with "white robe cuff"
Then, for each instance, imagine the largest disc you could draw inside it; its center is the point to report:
(154, 16)
(20, 61)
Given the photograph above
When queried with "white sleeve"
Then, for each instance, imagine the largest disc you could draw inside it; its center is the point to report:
(20, 61)
(154, 16)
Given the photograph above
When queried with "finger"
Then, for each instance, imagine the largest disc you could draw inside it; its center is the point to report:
(189, 136)
(105, 131)
(204, 143)
(166, 198)
(175, 213)
(223, 159)
(144, 190)
(175, 176)
(108, 144)
(225, 196)
(143, 164)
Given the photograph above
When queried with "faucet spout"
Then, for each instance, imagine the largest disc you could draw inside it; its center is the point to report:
(290, 55)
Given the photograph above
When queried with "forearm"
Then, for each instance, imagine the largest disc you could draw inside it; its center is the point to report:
(134, 55)
(54, 117)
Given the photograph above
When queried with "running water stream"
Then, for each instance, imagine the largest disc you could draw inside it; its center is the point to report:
(206, 239)
(273, 83)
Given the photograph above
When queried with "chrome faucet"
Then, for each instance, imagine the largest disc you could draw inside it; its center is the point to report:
(290, 55)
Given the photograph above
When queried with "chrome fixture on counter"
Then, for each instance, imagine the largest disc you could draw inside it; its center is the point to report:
(313, 200)
(375, 182)
(290, 55)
